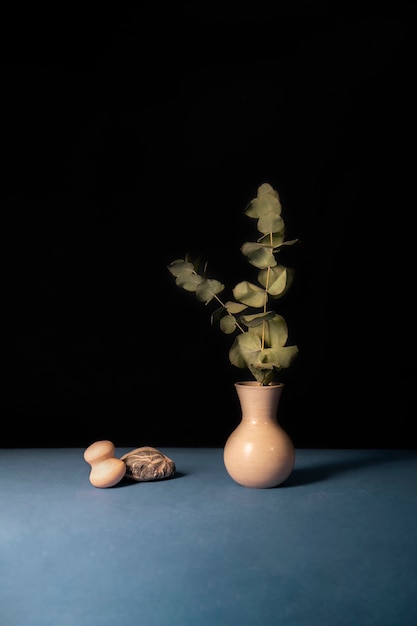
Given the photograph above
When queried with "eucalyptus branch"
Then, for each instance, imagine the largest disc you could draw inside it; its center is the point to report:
(260, 345)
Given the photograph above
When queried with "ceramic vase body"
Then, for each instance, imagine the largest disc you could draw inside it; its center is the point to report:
(259, 453)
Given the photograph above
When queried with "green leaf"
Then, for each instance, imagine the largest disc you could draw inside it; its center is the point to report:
(267, 200)
(200, 265)
(245, 350)
(259, 255)
(266, 189)
(185, 274)
(270, 222)
(257, 319)
(189, 282)
(228, 324)
(207, 289)
(280, 358)
(249, 294)
(290, 242)
(179, 266)
(276, 278)
(264, 374)
(275, 332)
(235, 307)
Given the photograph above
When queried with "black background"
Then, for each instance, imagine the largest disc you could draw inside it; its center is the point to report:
(134, 136)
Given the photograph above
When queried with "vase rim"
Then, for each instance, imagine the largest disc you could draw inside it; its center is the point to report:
(255, 383)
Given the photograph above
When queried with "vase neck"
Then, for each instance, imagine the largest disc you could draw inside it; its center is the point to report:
(257, 401)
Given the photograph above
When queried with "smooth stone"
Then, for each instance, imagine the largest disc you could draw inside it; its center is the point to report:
(147, 463)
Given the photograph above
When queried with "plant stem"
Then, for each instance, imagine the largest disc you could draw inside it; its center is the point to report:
(268, 274)
(225, 307)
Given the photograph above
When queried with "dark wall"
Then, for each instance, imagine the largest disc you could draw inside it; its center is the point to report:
(132, 138)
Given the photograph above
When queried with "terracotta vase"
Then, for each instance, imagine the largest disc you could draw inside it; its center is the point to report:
(259, 453)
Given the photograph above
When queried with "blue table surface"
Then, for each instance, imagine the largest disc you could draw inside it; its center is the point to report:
(335, 545)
